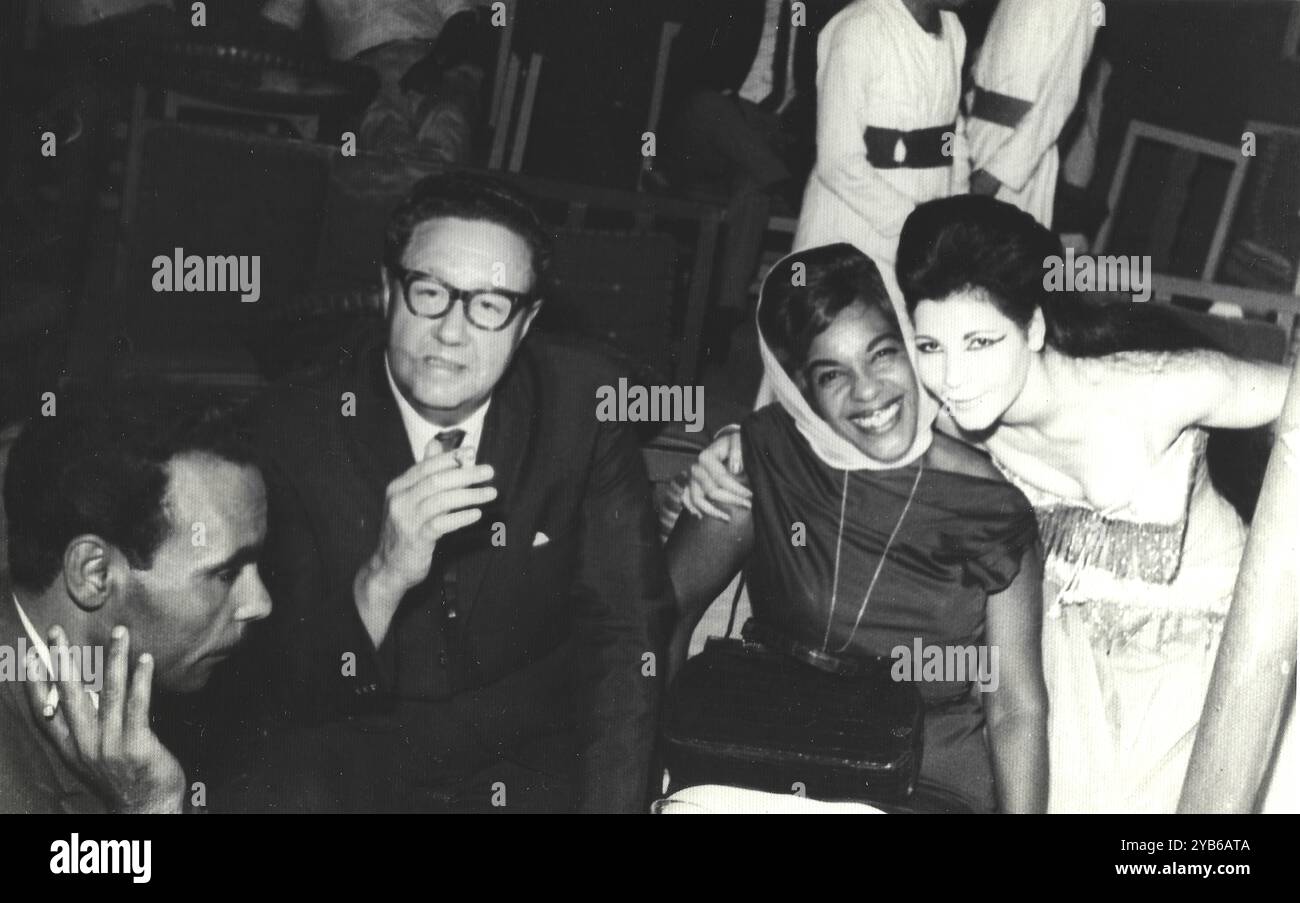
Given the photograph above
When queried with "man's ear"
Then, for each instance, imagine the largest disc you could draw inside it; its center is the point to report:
(1037, 333)
(92, 571)
(387, 285)
(529, 316)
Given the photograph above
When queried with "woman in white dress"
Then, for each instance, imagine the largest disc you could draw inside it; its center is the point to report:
(1107, 441)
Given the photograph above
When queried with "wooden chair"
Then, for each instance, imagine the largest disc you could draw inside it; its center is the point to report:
(586, 207)
(615, 287)
(1172, 203)
(667, 35)
(515, 118)
(1265, 252)
(510, 114)
(504, 55)
(746, 222)
(1283, 309)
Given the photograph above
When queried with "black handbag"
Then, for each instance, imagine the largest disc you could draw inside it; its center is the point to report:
(769, 714)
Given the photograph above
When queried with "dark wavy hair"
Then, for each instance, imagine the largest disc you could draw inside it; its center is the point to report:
(470, 196)
(98, 466)
(968, 242)
(793, 311)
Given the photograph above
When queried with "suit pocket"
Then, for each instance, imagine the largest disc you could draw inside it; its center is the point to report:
(550, 569)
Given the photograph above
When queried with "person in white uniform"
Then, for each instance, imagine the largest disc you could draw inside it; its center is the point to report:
(1027, 78)
(888, 132)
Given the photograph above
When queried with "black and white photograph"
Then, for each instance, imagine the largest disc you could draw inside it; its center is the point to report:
(650, 407)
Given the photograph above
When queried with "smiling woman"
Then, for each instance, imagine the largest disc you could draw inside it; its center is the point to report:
(867, 532)
(1099, 416)
(833, 352)
(846, 355)
(973, 358)
(1103, 426)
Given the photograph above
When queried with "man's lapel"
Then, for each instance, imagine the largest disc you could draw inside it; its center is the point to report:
(378, 447)
(382, 449)
(508, 435)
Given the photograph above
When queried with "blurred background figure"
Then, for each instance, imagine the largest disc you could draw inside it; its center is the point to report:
(431, 56)
(1027, 78)
(743, 97)
(742, 118)
(888, 137)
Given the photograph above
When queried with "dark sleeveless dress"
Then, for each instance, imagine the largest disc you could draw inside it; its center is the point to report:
(961, 541)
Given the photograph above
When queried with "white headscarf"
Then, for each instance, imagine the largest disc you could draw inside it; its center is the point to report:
(830, 446)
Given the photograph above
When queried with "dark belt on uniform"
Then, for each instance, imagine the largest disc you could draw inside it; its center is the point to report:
(917, 149)
(1002, 109)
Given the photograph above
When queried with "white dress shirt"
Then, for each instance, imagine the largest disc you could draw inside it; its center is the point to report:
(420, 432)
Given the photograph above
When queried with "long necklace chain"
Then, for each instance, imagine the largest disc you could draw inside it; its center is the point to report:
(839, 542)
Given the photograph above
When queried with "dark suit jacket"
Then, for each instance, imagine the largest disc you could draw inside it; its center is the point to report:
(547, 649)
(719, 40)
(33, 776)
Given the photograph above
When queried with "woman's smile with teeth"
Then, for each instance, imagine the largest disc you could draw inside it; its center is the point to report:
(879, 420)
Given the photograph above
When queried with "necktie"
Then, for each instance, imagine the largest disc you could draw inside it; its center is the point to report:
(424, 643)
(780, 59)
(450, 440)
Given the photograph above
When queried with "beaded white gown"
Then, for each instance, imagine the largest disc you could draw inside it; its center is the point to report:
(1135, 599)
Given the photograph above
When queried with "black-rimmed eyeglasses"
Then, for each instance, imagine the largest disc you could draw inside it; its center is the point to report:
(490, 309)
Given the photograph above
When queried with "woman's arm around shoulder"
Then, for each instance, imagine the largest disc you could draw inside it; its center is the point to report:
(1202, 387)
(717, 478)
(704, 554)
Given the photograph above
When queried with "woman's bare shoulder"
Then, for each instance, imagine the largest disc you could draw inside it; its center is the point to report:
(1128, 367)
(1151, 393)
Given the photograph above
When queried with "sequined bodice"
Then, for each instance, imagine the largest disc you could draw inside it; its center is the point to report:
(1158, 568)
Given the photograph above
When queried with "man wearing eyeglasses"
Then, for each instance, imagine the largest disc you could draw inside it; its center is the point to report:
(471, 597)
